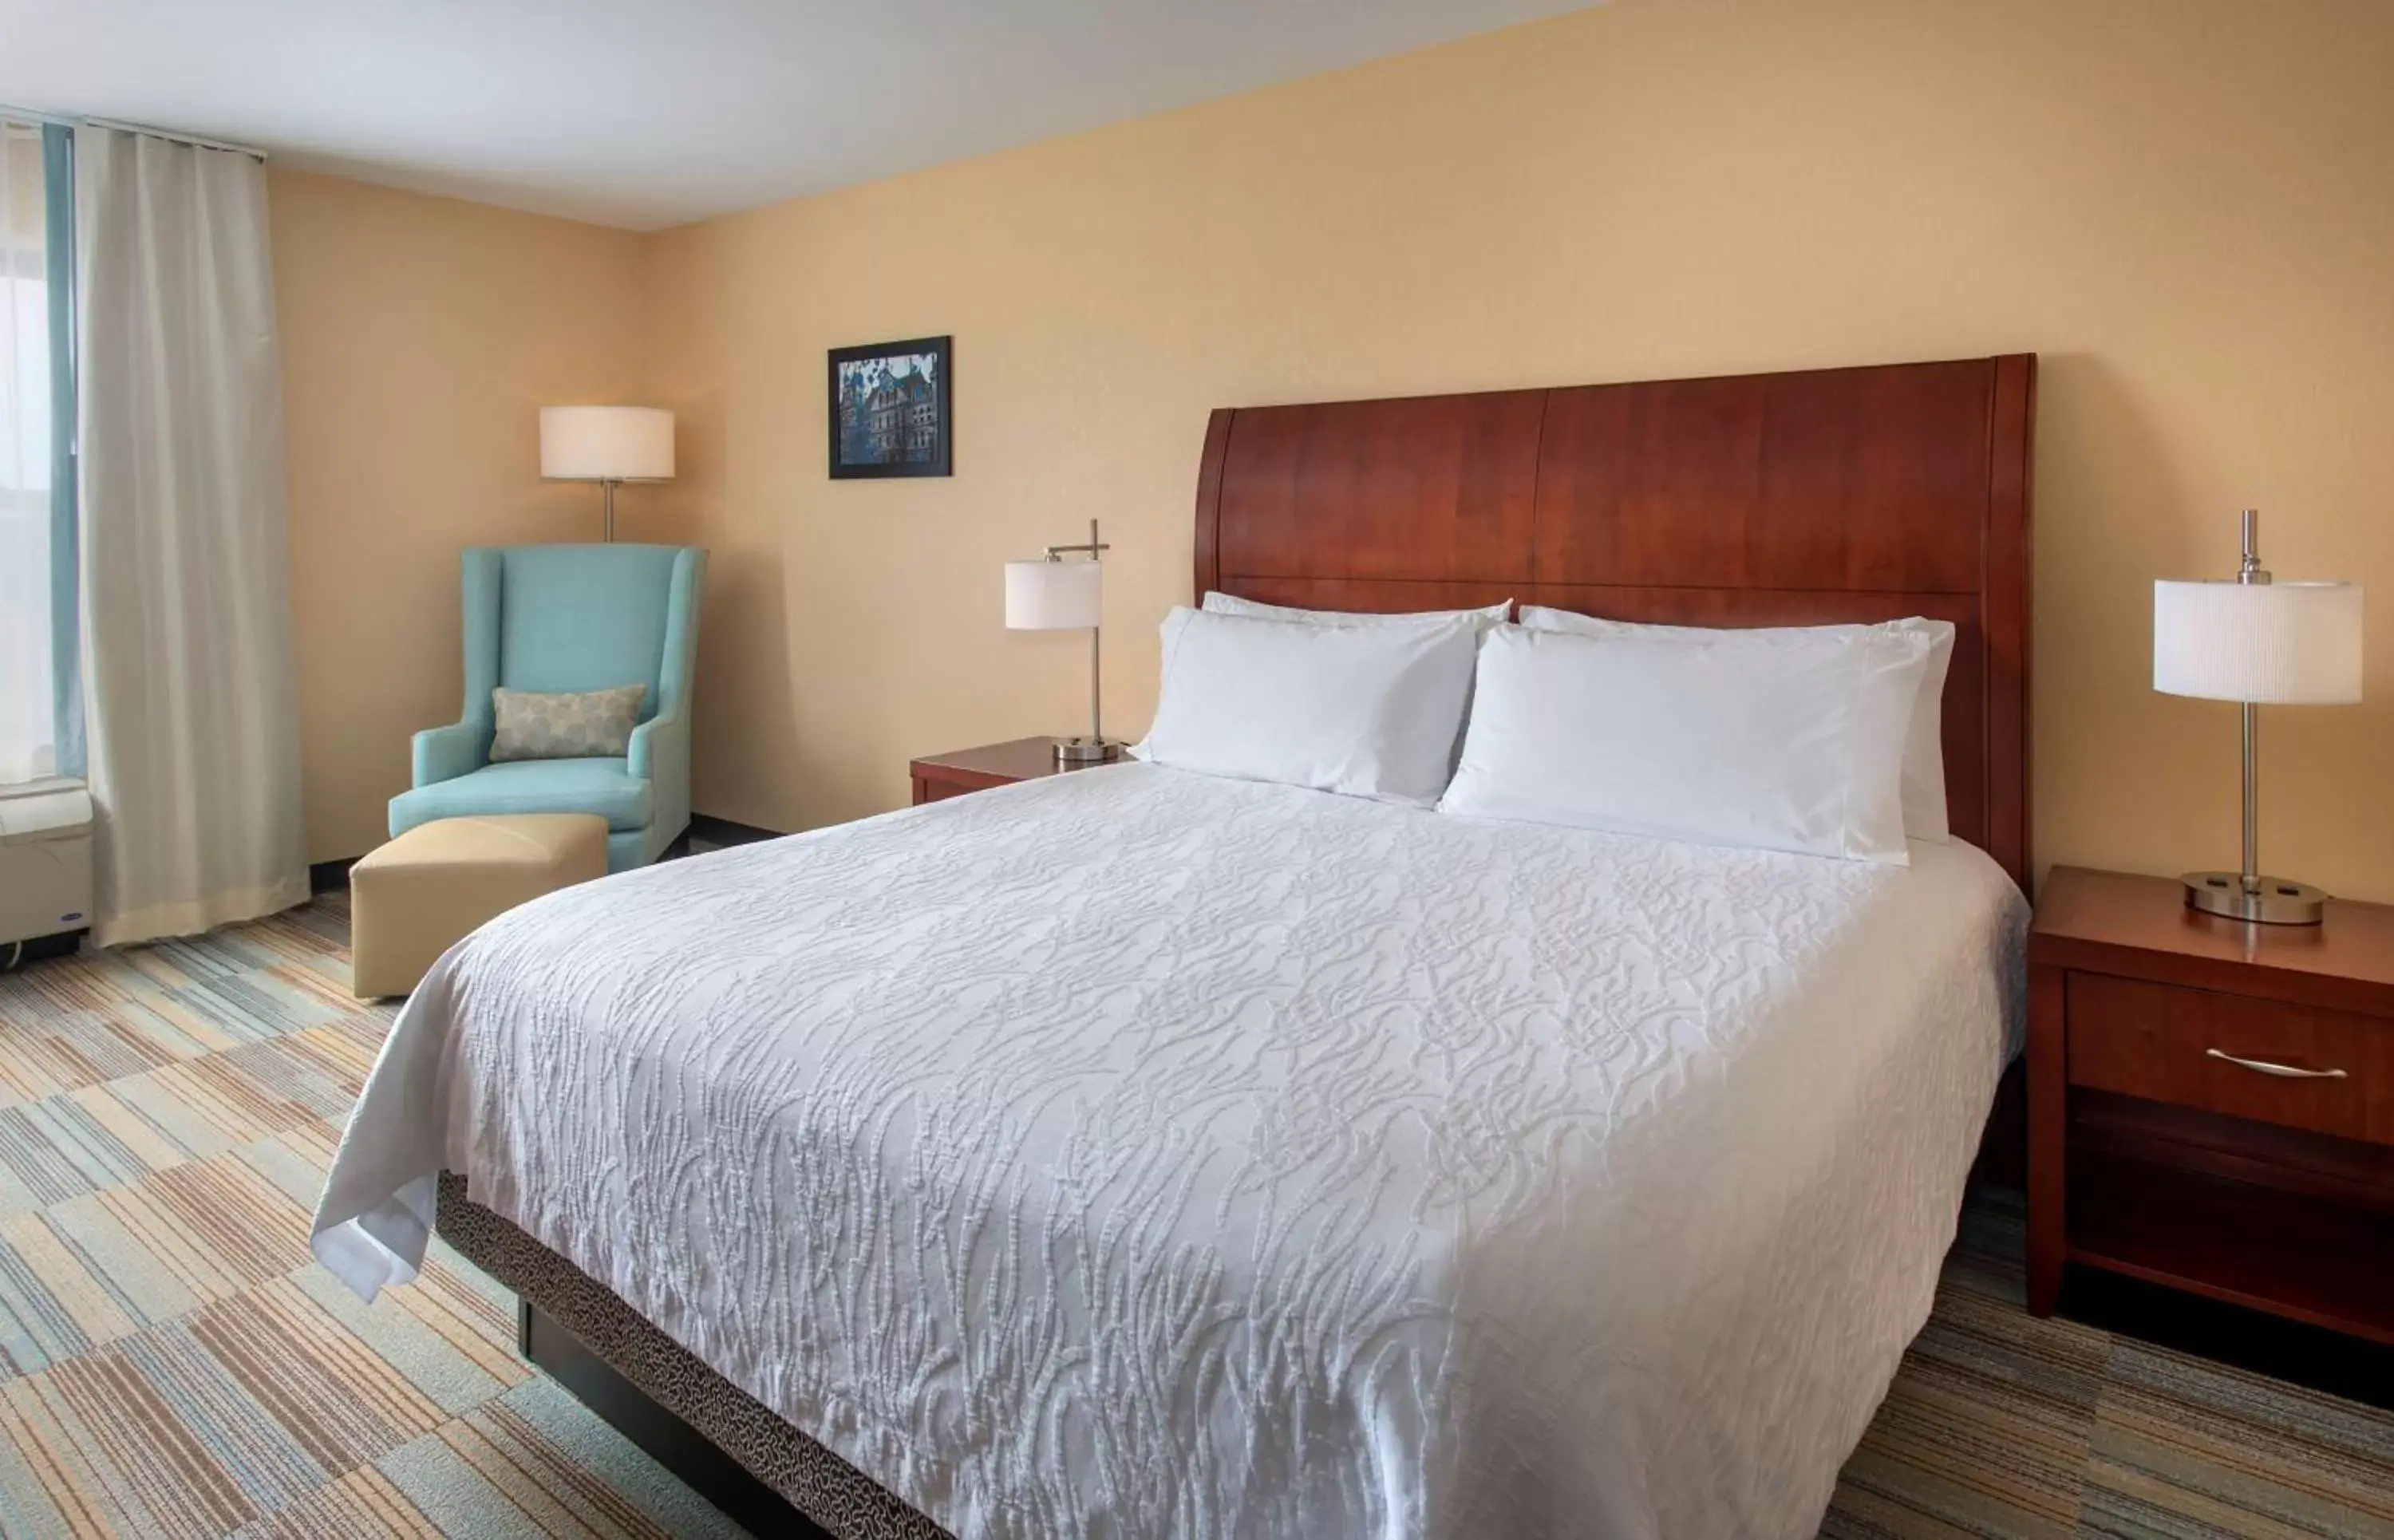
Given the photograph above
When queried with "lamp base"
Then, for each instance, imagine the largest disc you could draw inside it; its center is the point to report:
(1086, 751)
(2273, 901)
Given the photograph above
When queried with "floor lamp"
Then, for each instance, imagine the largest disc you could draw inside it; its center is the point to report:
(609, 445)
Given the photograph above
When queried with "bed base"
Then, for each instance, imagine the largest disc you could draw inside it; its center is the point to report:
(718, 1439)
(693, 1458)
(672, 1443)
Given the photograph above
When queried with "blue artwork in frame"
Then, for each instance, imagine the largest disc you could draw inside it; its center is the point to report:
(893, 409)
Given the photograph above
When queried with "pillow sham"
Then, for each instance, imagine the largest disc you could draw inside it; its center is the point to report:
(588, 724)
(1924, 746)
(1361, 710)
(1796, 748)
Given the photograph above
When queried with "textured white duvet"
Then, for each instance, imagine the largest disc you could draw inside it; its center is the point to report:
(1136, 1152)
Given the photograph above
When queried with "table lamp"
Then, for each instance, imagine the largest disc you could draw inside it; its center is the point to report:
(1052, 594)
(607, 445)
(2257, 643)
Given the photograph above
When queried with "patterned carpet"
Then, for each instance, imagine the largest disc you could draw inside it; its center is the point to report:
(172, 1364)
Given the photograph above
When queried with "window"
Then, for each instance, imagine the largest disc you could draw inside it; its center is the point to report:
(37, 725)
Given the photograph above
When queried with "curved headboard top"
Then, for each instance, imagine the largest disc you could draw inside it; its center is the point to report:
(1801, 499)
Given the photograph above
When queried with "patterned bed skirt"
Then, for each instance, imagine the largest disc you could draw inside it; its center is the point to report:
(813, 1480)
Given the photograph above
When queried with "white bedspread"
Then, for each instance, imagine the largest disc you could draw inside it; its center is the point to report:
(1135, 1152)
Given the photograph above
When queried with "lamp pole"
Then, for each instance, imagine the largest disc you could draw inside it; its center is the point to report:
(1095, 750)
(2249, 571)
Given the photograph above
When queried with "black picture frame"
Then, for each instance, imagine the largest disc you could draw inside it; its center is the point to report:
(904, 441)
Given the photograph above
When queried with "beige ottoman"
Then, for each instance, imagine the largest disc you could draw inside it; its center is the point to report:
(427, 890)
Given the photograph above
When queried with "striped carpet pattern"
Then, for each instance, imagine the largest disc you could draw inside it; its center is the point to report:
(173, 1363)
(2010, 1428)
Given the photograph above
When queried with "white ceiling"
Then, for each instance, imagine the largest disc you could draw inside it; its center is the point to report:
(653, 112)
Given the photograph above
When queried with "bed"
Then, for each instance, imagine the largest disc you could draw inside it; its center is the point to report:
(1144, 1152)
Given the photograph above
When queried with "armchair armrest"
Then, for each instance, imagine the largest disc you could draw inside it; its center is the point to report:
(659, 755)
(446, 753)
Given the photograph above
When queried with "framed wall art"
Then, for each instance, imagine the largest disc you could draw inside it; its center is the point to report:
(893, 409)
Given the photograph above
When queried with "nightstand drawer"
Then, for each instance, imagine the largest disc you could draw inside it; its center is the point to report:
(2233, 1054)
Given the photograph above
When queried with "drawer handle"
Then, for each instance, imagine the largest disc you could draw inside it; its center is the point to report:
(2286, 1071)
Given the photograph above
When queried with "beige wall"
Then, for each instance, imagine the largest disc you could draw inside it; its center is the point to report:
(420, 336)
(2182, 204)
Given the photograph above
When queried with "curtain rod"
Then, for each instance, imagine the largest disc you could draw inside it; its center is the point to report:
(65, 120)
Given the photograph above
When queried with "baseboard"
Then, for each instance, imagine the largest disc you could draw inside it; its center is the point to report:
(723, 831)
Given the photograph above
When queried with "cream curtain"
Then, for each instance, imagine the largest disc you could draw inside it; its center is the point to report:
(193, 735)
(28, 739)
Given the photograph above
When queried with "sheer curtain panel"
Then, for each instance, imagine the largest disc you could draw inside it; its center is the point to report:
(192, 734)
(29, 737)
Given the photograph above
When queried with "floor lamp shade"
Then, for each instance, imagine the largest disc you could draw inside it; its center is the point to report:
(2268, 643)
(606, 443)
(609, 445)
(1052, 595)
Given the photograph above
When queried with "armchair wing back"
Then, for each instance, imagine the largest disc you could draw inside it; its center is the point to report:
(567, 618)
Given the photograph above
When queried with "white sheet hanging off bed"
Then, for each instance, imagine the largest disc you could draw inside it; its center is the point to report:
(1144, 1153)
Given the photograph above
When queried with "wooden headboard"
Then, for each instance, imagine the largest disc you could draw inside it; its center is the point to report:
(1828, 494)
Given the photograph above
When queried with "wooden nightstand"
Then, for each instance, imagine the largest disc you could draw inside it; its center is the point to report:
(940, 776)
(2211, 1103)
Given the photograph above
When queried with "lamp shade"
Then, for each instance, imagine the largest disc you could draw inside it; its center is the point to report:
(606, 443)
(2272, 643)
(1052, 595)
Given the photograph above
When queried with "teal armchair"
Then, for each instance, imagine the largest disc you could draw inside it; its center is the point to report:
(558, 618)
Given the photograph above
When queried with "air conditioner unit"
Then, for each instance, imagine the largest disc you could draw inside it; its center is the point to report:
(44, 860)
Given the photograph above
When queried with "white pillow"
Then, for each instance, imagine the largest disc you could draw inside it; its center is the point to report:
(1483, 618)
(1923, 748)
(1364, 710)
(1786, 748)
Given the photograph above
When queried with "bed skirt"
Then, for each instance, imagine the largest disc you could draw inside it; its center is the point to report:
(817, 1483)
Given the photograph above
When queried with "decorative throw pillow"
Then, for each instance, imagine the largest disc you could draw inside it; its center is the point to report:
(589, 724)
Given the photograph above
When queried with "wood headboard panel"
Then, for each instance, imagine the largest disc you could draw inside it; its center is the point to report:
(1831, 495)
